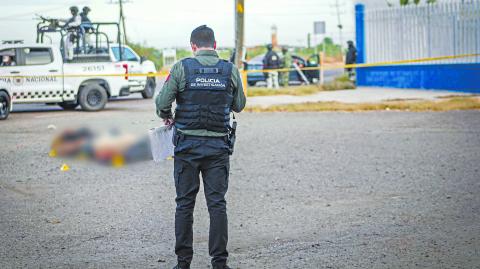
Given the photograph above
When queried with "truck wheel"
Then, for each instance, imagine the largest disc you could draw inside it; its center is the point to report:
(68, 106)
(4, 105)
(252, 83)
(149, 90)
(93, 97)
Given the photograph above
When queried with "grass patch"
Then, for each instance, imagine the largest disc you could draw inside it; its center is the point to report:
(340, 83)
(457, 103)
(294, 90)
(456, 95)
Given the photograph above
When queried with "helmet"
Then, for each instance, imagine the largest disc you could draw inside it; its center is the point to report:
(74, 9)
(350, 42)
(86, 9)
(269, 46)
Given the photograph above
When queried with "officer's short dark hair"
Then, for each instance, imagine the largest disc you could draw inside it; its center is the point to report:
(203, 37)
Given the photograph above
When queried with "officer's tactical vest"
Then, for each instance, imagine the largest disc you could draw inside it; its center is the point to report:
(207, 99)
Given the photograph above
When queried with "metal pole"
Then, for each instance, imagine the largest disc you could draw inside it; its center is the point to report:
(321, 62)
(340, 26)
(239, 32)
(122, 19)
(360, 40)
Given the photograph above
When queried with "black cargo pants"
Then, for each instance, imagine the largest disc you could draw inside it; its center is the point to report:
(208, 156)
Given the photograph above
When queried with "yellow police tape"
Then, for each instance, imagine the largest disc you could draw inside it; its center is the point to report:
(158, 74)
(321, 67)
(367, 65)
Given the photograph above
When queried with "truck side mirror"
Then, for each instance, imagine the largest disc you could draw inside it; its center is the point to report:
(143, 59)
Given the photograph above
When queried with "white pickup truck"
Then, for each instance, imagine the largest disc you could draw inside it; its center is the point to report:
(5, 104)
(37, 73)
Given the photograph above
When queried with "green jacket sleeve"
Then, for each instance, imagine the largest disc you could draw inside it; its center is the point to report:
(169, 91)
(239, 99)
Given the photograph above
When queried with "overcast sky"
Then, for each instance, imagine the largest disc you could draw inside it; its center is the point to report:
(167, 23)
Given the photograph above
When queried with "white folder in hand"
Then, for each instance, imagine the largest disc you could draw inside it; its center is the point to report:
(161, 143)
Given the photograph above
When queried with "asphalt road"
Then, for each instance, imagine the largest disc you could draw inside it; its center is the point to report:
(307, 190)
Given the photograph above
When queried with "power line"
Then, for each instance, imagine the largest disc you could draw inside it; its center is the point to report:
(122, 17)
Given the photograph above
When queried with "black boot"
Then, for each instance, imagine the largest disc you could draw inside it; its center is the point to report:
(182, 266)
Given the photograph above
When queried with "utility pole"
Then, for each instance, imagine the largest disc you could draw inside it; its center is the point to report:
(239, 32)
(339, 25)
(122, 18)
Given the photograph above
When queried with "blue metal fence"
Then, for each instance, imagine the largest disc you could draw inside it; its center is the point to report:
(441, 29)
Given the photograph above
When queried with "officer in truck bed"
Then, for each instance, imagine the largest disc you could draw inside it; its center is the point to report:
(206, 89)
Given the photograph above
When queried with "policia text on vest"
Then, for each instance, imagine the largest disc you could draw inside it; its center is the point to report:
(207, 82)
(206, 90)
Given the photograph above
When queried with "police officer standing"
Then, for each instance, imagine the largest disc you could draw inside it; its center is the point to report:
(73, 21)
(271, 61)
(86, 23)
(286, 64)
(86, 27)
(71, 25)
(206, 89)
(351, 58)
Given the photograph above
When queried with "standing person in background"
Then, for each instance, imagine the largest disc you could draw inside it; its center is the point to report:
(286, 64)
(73, 21)
(206, 90)
(351, 58)
(86, 23)
(271, 61)
(86, 27)
(72, 27)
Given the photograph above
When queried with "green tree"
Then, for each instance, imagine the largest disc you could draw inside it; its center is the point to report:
(328, 41)
(151, 53)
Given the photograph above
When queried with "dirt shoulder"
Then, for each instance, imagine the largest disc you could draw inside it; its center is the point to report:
(443, 104)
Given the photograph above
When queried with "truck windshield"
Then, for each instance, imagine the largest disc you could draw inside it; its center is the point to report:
(127, 54)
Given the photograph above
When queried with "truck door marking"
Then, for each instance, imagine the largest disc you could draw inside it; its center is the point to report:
(18, 81)
(93, 68)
